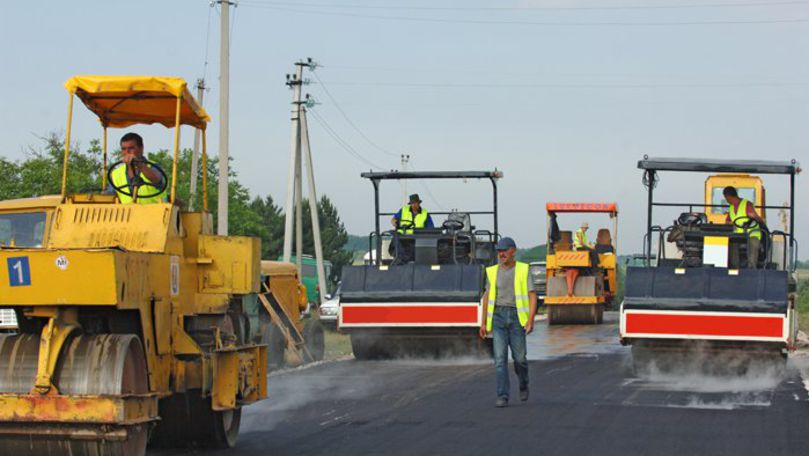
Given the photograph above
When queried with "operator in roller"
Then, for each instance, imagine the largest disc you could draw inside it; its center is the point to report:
(152, 185)
(410, 217)
(742, 215)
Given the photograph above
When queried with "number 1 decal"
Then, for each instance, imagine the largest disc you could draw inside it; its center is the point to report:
(19, 272)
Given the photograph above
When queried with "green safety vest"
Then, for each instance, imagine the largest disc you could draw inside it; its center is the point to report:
(407, 216)
(739, 213)
(520, 292)
(119, 179)
(579, 244)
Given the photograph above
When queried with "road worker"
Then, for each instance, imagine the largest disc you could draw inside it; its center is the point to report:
(742, 215)
(509, 308)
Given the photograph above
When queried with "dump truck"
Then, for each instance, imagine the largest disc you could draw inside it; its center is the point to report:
(695, 301)
(580, 283)
(428, 300)
(130, 322)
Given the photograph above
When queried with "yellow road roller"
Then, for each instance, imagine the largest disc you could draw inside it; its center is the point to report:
(129, 309)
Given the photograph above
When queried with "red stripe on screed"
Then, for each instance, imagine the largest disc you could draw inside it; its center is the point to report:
(410, 314)
(705, 325)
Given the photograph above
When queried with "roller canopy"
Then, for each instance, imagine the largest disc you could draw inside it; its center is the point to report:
(121, 101)
(610, 208)
(720, 166)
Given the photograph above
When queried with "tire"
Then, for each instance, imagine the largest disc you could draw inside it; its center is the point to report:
(313, 336)
(272, 336)
(361, 347)
(187, 421)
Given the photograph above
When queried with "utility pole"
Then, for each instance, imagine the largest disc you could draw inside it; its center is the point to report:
(195, 155)
(224, 108)
(294, 82)
(310, 174)
(300, 151)
(403, 182)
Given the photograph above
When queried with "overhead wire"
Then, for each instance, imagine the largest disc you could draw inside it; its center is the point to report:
(575, 85)
(535, 23)
(350, 122)
(207, 44)
(529, 7)
(341, 142)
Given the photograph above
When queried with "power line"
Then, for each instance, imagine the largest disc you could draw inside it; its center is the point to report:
(207, 43)
(350, 122)
(525, 8)
(535, 23)
(426, 188)
(576, 85)
(341, 142)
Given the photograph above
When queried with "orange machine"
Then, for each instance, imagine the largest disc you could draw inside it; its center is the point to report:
(579, 287)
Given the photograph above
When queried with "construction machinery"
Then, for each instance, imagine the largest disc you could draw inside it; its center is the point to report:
(131, 326)
(694, 300)
(580, 283)
(427, 298)
(276, 314)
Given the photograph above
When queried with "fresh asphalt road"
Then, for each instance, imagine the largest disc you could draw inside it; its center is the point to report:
(584, 400)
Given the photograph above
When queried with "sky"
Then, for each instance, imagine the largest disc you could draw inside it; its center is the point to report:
(564, 97)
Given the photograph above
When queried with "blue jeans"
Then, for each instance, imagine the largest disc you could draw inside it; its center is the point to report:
(507, 331)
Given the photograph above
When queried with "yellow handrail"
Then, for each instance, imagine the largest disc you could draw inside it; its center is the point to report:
(204, 173)
(67, 145)
(176, 149)
(104, 163)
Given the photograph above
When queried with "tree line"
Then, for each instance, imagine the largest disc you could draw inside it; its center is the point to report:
(40, 173)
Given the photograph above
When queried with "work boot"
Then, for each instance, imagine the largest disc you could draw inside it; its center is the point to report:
(501, 402)
(524, 394)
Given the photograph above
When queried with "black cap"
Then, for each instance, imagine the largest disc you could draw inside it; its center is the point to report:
(414, 198)
(506, 243)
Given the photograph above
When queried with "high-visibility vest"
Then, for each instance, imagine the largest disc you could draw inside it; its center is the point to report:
(407, 216)
(120, 179)
(580, 240)
(520, 292)
(741, 213)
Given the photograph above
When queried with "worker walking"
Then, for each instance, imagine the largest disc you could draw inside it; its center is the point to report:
(742, 215)
(510, 305)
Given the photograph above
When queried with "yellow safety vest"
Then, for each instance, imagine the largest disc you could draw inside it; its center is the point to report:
(577, 244)
(739, 213)
(520, 292)
(120, 179)
(407, 216)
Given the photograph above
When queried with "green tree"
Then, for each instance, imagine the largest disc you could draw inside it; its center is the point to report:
(40, 173)
(332, 232)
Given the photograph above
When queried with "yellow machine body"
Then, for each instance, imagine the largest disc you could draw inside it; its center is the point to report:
(748, 186)
(130, 318)
(593, 285)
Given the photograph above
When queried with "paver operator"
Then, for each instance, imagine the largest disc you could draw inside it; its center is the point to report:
(510, 305)
(742, 215)
(411, 216)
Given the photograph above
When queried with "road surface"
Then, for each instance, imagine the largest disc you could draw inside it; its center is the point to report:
(584, 400)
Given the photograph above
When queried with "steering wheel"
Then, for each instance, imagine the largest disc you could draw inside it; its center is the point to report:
(691, 219)
(452, 225)
(405, 225)
(138, 181)
(745, 222)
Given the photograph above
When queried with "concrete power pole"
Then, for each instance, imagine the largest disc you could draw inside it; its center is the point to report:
(300, 151)
(195, 155)
(310, 174)
(294, 82)
(224, 107)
